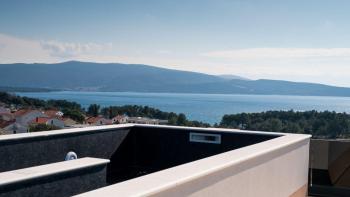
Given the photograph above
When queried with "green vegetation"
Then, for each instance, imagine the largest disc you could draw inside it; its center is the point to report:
(11, 99)
(74, 114)
(42, 127)
(145, 111)
(26, 102)
(63, 104)
(72, 110)
(94, 110)
(319, 124)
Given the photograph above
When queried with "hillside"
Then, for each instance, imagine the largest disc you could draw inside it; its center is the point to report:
(86, 76)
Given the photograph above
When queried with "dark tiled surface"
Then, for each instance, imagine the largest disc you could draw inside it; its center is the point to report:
(148, 150)
(44, 150)
(65, 184)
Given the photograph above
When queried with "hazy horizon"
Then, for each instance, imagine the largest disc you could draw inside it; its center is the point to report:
(302, 41)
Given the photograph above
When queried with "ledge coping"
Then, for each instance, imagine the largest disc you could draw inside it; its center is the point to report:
(24, 174)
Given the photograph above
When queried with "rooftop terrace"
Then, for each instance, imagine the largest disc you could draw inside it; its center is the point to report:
(153, 160)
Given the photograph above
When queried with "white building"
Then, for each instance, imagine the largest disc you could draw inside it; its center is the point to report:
(97, 121)
(120, 119)
(144, 120)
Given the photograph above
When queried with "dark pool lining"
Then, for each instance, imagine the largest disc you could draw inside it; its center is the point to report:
(150, 149)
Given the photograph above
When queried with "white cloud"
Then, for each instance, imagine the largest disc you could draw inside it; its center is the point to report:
(15, 50)
(164, 52)
(69, 50)
(279, 53)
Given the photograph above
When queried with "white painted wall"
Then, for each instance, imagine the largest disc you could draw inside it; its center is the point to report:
(279, 177)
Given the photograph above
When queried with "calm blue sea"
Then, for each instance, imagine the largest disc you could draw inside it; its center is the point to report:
(204, 107)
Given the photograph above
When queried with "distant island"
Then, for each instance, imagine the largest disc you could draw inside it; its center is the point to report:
(116, 77)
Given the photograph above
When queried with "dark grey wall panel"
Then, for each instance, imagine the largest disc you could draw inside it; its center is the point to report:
(167, 147)
(23, 153)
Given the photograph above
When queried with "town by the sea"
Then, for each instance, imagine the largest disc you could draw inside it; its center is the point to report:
(203, 107)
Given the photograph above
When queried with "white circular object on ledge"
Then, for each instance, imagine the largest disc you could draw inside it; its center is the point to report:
(71, 156)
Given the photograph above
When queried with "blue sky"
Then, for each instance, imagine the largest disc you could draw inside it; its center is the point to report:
(292, 39)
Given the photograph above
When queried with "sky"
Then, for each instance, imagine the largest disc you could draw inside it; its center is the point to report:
(295, 40)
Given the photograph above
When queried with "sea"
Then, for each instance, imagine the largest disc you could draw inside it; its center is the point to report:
(202, 107)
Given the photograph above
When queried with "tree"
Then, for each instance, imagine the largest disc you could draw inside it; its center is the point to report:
(274, 125)
(63, 104)
(42, 127)
(74, 115)
(319, 124)
(93, 110)
(181, 120)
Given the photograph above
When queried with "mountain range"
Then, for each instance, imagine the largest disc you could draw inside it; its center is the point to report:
(88, 76)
